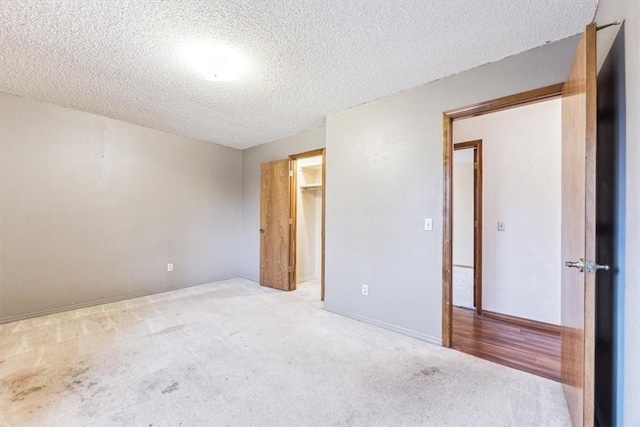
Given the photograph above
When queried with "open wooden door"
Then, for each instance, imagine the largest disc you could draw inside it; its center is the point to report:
(275, 225)
(579, 231)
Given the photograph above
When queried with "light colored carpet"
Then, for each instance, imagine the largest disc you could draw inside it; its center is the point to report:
(463, 287)
(234, 353)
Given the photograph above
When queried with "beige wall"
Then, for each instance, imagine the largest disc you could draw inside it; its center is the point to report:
(384, 176)
(521, 186)
(93, 209)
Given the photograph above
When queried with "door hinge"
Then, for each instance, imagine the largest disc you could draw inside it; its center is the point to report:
(291, 172)
(475, 165)
(290, 221)
(289, 269)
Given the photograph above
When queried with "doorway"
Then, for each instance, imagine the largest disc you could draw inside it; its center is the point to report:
(307, 200)
(592, 134)
(467, 230)
(292, 206)
(504, 206)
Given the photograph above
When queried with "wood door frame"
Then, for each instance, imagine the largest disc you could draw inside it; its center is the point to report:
(476, 146)
(294, 215)
(448, 117)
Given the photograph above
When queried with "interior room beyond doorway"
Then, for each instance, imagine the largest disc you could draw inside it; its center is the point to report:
(467, 230)
(506, 194)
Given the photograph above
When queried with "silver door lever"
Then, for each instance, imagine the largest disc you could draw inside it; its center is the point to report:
(576, 264)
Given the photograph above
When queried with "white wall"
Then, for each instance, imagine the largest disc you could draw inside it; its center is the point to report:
(251, 160)
(384, 176)
(521, 185)
(628, 274)
(463, 190)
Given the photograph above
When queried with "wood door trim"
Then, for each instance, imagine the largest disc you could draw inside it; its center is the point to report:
(476, 145)
(310, 153)
(447, 232)
(543, 326)
(294, 205)
(506, 102)
(293, 223)
(324, 201)
(466, 145)
(447, 165)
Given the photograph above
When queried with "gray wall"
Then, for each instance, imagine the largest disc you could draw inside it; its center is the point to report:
(93, 209)
(628, 327)
(384, 175)
(251, 160)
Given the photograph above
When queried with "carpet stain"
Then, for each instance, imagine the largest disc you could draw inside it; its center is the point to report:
(173, 387)
(27, 385)
(21, 395)
(76, 372)
(21, 377)
(171, 329)
(430, 371)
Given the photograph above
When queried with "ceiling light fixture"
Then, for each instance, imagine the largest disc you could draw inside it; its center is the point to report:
(216, 63)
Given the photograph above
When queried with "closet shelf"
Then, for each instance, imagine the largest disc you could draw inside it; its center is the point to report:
(315, 168)
(312, 187)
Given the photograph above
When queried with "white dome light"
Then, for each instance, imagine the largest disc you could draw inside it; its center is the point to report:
(216, 63)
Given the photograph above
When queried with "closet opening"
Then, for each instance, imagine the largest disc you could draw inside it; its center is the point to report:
(307, 208)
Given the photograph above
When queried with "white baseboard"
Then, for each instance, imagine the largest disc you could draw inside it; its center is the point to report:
(399, 329)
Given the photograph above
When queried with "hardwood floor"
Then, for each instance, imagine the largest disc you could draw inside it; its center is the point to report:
(521, 347)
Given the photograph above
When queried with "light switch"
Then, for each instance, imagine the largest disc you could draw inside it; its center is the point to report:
(502, 226)
(428, 224)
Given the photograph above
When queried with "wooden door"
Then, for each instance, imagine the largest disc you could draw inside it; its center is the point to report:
(578, 231)
(275, 224)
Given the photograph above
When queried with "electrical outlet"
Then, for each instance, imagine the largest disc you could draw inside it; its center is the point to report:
(365, 290)
(169, 267)
(502, 226)
(428, 224)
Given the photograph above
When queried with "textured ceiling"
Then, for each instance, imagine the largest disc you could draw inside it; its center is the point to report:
(307, 58)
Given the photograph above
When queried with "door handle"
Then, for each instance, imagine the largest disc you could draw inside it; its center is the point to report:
(262, 230)
(590, 266)
(576, 264)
